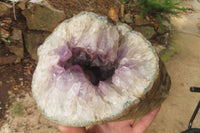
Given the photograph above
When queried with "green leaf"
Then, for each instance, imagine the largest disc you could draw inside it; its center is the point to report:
(160, 21)
(124, 1)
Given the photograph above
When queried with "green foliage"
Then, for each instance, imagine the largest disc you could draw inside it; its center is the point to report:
(124, 1)
(5, 40)
(3, 34)
(5, 0)
(160, 21)
(158, 7)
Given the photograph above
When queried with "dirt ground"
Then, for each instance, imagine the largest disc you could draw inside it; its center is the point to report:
(23, 115)
(184, 69)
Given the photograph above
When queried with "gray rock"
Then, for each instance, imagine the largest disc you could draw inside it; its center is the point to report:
(42, 17)
(16, 45)
(5, 8)
(33, 41)
(147, 31)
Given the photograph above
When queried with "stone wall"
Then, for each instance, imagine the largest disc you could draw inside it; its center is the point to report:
(25, 25)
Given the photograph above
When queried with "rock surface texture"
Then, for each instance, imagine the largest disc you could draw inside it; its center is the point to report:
(147, 31)
(33, 40)
(17, 46)
(91, 71)
(42, 17)
(5, 9)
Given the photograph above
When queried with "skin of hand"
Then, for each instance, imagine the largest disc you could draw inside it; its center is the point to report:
(117, 127)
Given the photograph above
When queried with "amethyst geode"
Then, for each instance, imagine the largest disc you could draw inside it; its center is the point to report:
(91, 71)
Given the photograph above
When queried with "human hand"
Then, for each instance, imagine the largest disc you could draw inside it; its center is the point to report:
(116, 127)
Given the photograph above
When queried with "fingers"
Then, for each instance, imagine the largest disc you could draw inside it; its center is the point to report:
(113, 127)
(121, 124)
(145, 122)
(72, 129)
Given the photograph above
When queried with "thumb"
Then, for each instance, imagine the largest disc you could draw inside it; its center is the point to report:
(145, 122)
(72, 129)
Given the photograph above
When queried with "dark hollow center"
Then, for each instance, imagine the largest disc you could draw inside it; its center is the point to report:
(94, 68)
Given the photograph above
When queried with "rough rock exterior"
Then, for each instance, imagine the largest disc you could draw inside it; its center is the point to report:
(17, 46)
(32, 41)
(42, 17)
(5, 9)
(147, 31)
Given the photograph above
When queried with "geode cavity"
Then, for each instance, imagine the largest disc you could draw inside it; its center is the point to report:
(91, 71)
